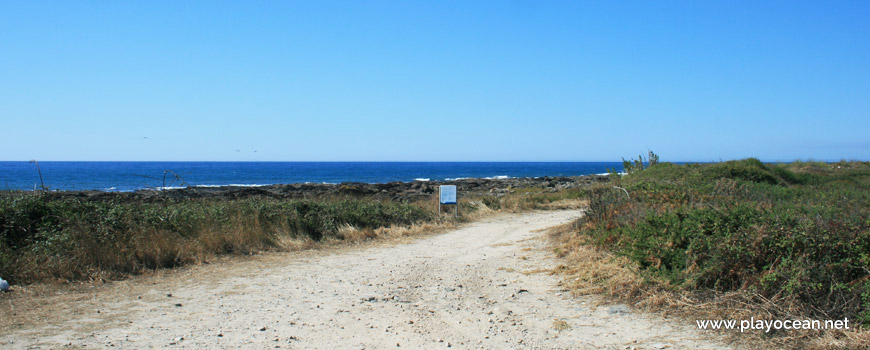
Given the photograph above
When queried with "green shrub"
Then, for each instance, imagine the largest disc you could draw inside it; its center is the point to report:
(791, 233)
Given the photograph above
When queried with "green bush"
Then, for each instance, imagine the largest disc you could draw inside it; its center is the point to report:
(798, 233)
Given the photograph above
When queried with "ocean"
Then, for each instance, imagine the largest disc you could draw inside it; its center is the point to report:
(131, 176)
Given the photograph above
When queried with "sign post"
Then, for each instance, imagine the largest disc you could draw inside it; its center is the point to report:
(447, 196)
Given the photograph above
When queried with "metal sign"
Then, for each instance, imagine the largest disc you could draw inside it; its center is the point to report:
(448, 194)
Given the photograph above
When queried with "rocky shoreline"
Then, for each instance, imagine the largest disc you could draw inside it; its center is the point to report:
(397, 191)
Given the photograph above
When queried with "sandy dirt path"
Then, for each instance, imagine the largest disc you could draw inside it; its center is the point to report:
(475, 287)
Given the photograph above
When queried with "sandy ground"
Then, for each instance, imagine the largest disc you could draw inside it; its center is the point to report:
(480, 286)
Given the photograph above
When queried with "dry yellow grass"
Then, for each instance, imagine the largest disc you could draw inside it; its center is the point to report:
(560, 325)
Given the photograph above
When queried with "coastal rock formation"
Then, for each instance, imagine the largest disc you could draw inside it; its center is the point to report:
(397, 191)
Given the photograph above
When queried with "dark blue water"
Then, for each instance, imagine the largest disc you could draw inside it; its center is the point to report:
(129, 176)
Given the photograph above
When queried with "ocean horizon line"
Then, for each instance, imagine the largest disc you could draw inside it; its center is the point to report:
(133, 175)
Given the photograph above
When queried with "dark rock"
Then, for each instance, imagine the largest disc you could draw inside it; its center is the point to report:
(397, 191)
(618, 309)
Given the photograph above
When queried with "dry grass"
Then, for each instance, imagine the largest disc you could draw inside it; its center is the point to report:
(560, 325)
(414, 230)
(538, 271)
(564, 204)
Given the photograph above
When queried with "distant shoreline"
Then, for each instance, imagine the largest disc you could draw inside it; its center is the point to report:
(396, 190)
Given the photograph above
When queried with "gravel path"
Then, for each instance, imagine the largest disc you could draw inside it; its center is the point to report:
(476, 287)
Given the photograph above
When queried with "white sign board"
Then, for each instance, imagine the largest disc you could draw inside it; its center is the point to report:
(448, 194)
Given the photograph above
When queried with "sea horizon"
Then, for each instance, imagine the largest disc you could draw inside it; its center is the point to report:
(125, 176)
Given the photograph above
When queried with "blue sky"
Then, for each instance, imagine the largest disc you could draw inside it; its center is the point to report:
(434, 81)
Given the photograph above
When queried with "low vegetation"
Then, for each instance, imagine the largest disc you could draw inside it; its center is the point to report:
(734, 240)
(72, 239)
(45, 238)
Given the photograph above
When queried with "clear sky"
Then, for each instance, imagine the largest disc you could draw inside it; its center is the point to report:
(434, 80)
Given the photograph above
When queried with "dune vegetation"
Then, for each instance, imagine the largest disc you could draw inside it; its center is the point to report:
(72, 239)
(732, 240)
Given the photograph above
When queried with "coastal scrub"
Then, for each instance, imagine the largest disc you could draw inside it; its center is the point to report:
(738, 239)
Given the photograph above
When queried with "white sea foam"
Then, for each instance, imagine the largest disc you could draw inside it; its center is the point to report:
(115, 189)
(234, 185)
(422, 179)
(497, 177)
